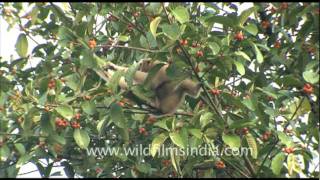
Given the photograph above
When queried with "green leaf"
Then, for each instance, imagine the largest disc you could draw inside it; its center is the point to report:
(252, 29)
(143, 94)
(4, 153)
(172, 31)
(65, 34)
(259, 55)
(124, 133)
(124, 38)
(88, 60)
(224, 20)
(311, 77)
(114, 81)
(285, 139)
(100, 125)
(240, 68)
(157, 142)
(248, 102)
(154, 26)
(243, 123)
(211, 133)
(20, 148)
(65, 111)
(205, 119)
(144, 168)
(245, 15)
(162, 124)
(277, 163)
(214, 47)
(117, 116)
(82, 138)
(232, 140)
(243, 55)
(130, 73)
(293, 164)
(34, 14)
(22, 45)
(178, 140)
(196, 132)
(252, 145)
(58, 139)
(23, 159)
(72, 81)
(181, 14)
(89, 107)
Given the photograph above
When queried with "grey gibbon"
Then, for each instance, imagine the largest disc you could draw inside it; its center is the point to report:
(168, 94)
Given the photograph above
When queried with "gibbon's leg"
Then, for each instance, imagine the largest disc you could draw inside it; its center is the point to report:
(190, 87)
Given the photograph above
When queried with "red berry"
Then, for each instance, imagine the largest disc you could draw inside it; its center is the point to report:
(61, 123)
(166, 162)
(308, 89)
(142, 130)
(265, 24)
(239, 36)
(136, 14)
(92, 43)
(288, 150)
(130, 27)
(184, 42)
(245, 130)
(277, 44)
(199, 53)
(220, 165)
(98, 170)
(215, 91)
(75, 125)
(120, 103)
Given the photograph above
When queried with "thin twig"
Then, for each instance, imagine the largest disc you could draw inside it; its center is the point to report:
(130, 47)
(249, 165)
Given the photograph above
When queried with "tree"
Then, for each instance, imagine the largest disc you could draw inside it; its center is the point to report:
(259, 71)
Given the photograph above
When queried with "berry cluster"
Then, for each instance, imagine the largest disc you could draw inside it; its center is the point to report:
(61, 123)
(143, 131)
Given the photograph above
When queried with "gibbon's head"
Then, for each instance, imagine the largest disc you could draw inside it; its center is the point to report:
(145, 65)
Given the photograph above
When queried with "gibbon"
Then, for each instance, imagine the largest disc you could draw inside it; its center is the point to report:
(168, 94)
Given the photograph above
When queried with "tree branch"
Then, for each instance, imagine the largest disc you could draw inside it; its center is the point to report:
(129, 47)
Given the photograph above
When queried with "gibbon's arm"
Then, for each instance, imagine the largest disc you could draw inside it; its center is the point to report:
(191, 88)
